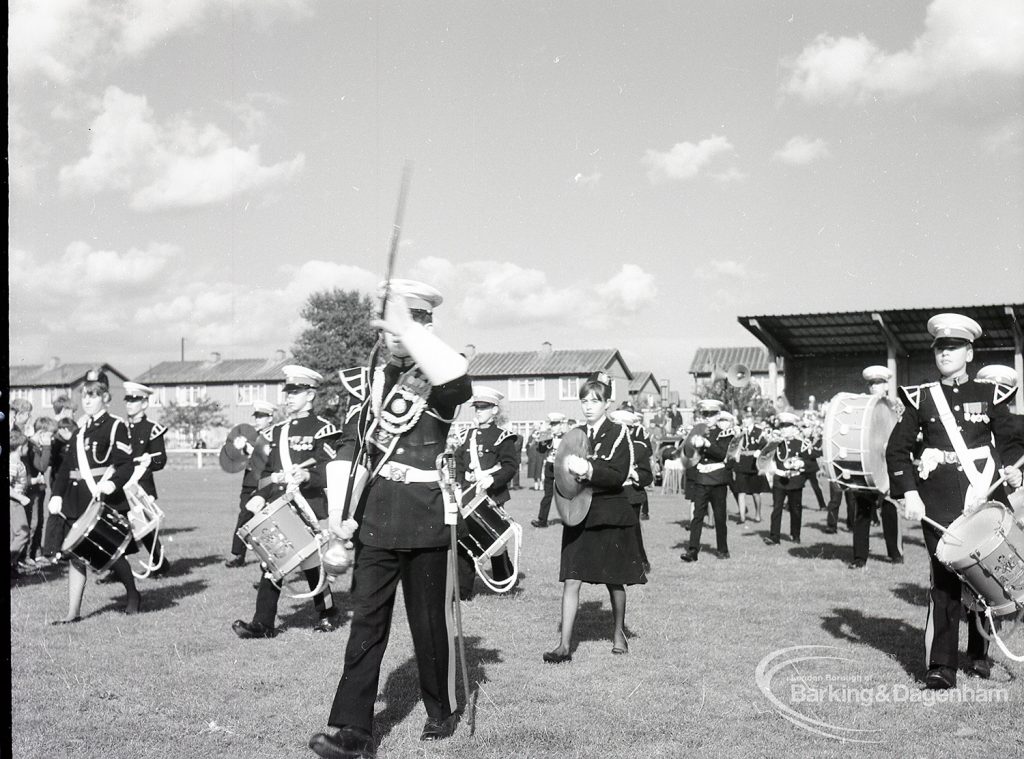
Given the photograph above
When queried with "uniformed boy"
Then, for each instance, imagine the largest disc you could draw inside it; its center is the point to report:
(486, 461)
(957, 419)
(298, 453)
(402, 416)
(150, 455)
(789, 479)
(259, 452)
(864, 505)
(548, 446)
(711, 477)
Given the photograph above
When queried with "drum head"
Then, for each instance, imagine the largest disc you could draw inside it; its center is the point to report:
(972, 531)
(572, 498)
(83, 525)
(876, 437)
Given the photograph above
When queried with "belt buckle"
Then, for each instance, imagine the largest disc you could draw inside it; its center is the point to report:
(949, 457)
(396, 474)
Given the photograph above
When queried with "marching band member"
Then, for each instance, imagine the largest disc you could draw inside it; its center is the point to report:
(408, 405)
(486, 460)
(298, 453)
(603, 548)
(640, 475)
(150, 455)
(259, 452)
(864, 505)
(789, 479)
(711, 477)
(811, 454)
(548, 446)
(746, 479)
(97, 466)
(957, 419)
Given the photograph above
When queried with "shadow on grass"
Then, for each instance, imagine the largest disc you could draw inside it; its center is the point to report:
(401, 692)
(176, 567)
(304, 614)
(915, 595)
(157, 597)
(827, 551)
(893, 637)
(175, 530)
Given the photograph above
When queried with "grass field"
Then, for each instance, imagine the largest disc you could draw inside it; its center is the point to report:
(176, 682)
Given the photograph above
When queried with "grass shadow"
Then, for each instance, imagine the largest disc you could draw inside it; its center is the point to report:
(827, 551)
(593, 622)
(304, 614)
(915, 595)
(893, 637)
(175, 530)
(158, 598)
(179, 567)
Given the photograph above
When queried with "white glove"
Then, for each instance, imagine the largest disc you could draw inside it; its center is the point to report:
(578, 466)
(698, 441)
(144, 460)
(107, 488)
(55, 504)
(913, 506)
(484, 482)
(255, 503)
(240, 442)
(1014, 477)
(344, 530)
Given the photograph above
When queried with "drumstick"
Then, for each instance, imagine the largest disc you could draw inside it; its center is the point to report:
(949, 536)
(1016, 464)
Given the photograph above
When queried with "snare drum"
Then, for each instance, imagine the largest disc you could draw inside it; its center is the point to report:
(282, 539)
(857, 428)
(144, 514)
(986, 549)
(490, 536)
(99, 537)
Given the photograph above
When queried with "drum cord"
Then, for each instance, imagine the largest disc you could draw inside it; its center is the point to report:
(995, 636)
(505, 585)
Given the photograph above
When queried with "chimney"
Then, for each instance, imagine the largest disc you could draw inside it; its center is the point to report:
(279, 355)
(545, 348)
(53, 363)
(469, 351)
(214, 358)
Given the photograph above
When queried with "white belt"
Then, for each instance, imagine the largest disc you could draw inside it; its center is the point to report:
(402, 473)
(706, 468)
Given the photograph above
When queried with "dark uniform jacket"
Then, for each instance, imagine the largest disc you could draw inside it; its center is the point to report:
(790, 463)
(307, 437)
(257, 462)
(644, 475)
(408, 421)
(612, 457)
(496, 455)
(106, 445)
(981, 412)
(753, 440)
(712, 454)
(148, 437)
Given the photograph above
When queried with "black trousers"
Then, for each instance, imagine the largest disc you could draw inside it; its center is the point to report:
(549, 492)
(835, 498)
(780, 499)
(812, 480)
(35, 513)
(427, 590)
(714, 495)
(244, 515)
(942, 628)
(862, 505)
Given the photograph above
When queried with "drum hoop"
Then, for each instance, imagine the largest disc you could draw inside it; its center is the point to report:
(990, 537)
(96, 507)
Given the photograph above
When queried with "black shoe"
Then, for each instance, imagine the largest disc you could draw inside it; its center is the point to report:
(724, 555)
(327, 624)
(235, 563)
(106, 579)
(253, 629)
(830, 530)
(771, 541)
(857, 564)
(980, 668)
(690, 555)
(347, 743)
(539, 522)
(439, 729)
(645, 517)
(896, 559)
(163, 570)
(58, 622)
(940, 678)
(134, 605)
(553, 657)
(796, 540)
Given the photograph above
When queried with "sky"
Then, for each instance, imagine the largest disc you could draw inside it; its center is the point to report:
(595, 174)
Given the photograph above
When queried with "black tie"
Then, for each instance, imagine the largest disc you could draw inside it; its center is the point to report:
(590, 434)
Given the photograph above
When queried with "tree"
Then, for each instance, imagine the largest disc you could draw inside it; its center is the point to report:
(193, 419)
(736, 399)
(339, 337)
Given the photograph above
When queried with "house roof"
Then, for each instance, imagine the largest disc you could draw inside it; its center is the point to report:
(209, 373)
(544, 363)
(705, 360)
(56, 375)
(640, 379)
(870, 331)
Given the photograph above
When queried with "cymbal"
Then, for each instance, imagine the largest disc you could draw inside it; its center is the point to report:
(233, 460)
(572, 498)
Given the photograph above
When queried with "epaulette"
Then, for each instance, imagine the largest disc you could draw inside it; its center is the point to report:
(355, 381)
(505, 434)
(460, 435)
(913, 393)
(268, 433)
(157, 431)
(352, 413)
(1002, 393)
(327, 430)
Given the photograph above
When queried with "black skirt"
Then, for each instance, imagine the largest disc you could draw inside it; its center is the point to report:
(606, 555)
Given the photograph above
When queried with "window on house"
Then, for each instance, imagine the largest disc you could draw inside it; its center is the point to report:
(189, 395)
(526, 389)
(159, 396)
(22, 392)
(247, 394)
(568, 388)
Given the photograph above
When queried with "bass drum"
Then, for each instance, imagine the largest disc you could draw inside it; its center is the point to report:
(856, 432)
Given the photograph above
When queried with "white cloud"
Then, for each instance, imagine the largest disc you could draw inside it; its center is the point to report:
(65, 39)
(685, 160)
(629, 290)
(26, 152)
(800, 151)
(719, 269)
(960, 40)
(176, 165)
